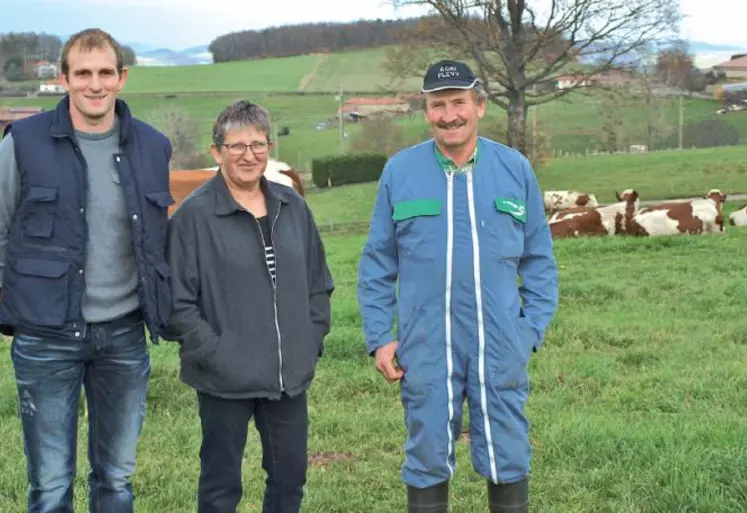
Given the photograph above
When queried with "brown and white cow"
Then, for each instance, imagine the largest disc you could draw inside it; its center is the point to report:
(606, 220)
(690, 217)
(739, 216)
(183, 181)
(281, 172)
(561, 200)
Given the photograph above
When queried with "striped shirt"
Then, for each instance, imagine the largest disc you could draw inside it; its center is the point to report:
(264, 223)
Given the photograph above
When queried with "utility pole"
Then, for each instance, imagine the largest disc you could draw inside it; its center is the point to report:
(340, 120)
(682, 118)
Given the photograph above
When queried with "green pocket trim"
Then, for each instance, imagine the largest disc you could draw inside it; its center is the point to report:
(515, 208)
(415, 208)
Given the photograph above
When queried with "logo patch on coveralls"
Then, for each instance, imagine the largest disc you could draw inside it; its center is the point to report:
(512, 207)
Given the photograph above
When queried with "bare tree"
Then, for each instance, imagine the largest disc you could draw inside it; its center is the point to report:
(379, 135)
(183, 131)
(674, 64)
(519, 47)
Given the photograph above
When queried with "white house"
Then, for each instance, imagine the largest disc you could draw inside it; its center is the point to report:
(51, 87)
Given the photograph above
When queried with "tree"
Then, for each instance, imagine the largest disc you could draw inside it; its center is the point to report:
(128, 54)
(13, 69)
(183, 131)
(517, 48)
(379, 135)
(674, 65)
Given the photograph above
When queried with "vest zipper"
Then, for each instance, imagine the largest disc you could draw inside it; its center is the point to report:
(274, 294)
(81, 331)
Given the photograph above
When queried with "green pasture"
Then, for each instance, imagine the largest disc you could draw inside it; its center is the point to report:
(660, 175)
(638, 405)
(573, 124)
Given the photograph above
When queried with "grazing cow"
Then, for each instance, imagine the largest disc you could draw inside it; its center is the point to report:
(610, 219)
(561, 200)
(739, 216)
(690, 217)
(183, 182)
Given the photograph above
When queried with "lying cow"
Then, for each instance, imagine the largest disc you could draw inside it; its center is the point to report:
(739, 216)
(692, 217)
(608, 220)
(561, 200)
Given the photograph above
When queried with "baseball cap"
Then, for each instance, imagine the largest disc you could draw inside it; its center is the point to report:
(448, 74)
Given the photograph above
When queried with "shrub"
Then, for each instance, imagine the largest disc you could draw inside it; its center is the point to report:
(345, 169)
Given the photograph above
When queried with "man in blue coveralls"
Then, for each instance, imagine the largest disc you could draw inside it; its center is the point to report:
(456, 219)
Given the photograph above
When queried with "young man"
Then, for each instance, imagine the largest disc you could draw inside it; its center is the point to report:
(456, 219)
(84, 193)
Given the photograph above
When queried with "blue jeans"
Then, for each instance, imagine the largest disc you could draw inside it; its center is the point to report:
(113, 365)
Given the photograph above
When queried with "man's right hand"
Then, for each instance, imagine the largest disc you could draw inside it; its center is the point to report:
(385, 356)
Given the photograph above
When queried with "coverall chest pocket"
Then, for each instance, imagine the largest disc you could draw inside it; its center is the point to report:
(506, 222)
(41, 203)
(416, 224)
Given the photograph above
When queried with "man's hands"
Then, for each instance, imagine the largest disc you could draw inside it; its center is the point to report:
(385, 362)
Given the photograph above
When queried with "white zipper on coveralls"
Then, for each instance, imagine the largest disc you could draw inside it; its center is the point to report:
(449, 266)
(480, 326)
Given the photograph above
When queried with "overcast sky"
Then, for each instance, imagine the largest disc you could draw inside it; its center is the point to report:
(179, 24)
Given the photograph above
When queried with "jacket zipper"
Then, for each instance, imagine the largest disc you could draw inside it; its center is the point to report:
(274, 294)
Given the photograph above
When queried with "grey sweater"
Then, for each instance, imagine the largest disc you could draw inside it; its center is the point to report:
(111, 272)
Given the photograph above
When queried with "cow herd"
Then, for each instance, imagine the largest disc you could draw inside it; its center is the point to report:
(578, 214)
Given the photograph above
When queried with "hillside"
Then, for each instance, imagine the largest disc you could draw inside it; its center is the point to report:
(573, 125)
(325, 72)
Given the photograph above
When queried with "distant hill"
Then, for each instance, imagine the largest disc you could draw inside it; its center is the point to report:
(168, 57)
(706, 54)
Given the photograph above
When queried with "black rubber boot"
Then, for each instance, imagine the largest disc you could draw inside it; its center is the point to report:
(509, 498)
(434, 499)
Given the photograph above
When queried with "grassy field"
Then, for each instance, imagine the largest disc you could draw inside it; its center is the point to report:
(573, 125)
(638, 403)
(658, 175)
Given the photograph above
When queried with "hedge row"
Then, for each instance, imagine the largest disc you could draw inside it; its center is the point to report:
(345, 169)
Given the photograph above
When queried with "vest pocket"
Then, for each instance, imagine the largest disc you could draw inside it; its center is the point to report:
(39, 291)
(40, 213)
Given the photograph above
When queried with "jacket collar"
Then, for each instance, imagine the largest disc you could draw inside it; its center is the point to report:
(225, 204)
(62, 124)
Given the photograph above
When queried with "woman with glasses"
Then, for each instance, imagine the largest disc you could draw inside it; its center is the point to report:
(251, 308)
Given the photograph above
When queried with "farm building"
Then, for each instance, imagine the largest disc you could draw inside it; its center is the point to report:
(371, 107)
(736, 67)
(610, 78)
(51, 87)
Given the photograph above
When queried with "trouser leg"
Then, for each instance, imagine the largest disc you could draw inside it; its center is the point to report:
(116, 385)
(49, 375)
(283, 428)
(225, 424)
